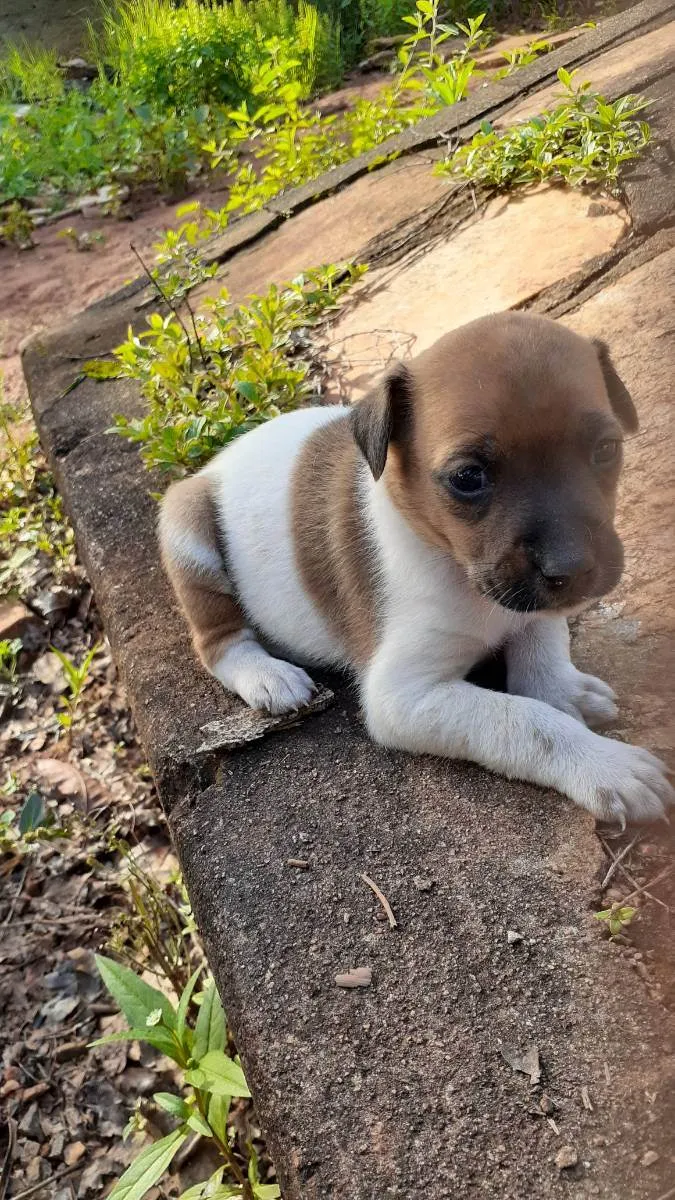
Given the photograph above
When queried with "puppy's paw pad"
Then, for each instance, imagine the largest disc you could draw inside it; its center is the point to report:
(278, 687)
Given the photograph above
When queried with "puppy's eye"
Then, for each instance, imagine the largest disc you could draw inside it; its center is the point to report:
(469, 482)
(606, 451)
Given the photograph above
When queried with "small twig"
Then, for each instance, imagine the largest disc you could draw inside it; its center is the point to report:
(47, 1183)
(667, 1195)
(9, 1155)
(202, 355)
(616, 859)
(156, 284)
(382, 899)
(15, 901)
(643, 890)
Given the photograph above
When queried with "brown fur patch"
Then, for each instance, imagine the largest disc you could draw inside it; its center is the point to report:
(517, 391)
(331, 539)
(213, 615)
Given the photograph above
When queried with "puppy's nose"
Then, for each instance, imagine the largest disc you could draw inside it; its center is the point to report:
(559, 566)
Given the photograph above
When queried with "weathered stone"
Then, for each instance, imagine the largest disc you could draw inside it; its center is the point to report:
(481, 269)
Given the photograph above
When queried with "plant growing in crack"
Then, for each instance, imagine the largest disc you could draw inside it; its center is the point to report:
(213, 1079)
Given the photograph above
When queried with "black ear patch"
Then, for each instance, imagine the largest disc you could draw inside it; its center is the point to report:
(619, 396)
(382, 417)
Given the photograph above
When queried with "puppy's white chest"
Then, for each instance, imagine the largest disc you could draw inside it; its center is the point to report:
(428, 606)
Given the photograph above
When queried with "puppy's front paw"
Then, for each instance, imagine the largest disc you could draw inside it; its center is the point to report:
(583, 697)
(276, 686)
(617, 782)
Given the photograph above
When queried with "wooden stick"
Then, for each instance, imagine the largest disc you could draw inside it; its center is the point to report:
(382, 899)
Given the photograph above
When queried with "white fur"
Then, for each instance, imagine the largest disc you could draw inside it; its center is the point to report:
(252, 478)
(434, 628)
(188, 552)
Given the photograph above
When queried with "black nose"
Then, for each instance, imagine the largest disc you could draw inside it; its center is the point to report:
(560, 565)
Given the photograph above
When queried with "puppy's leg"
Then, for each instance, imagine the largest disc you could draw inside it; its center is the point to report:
(538, 665)
(408, 707)
(226, 645)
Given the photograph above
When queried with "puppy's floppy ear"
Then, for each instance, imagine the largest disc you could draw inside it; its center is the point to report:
(617, 391)
(382, 417)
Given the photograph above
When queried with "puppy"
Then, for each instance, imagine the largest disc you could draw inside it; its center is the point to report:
(465, 505)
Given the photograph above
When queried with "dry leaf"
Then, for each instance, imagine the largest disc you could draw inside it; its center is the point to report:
(528, 1062)
(63, 776)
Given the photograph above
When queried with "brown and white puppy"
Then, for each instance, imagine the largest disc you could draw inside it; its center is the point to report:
(466, 504)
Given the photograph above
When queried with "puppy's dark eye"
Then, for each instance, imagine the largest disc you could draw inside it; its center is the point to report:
(469, 482)
(606, 451)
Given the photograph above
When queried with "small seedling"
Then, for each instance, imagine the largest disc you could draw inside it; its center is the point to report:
(82, 241)
(34, 823)
(617, 918)
(10, 648)
(16, 226)
(213, 1078)
(76, 681)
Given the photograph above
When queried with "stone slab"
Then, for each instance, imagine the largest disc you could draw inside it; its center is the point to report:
(494, 101)
(501, 259)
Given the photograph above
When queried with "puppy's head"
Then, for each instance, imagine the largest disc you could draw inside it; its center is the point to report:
(503, 445)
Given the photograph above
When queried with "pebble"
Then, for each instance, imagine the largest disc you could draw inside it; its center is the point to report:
(566, 1157)
(423, 883)
(649, 1158)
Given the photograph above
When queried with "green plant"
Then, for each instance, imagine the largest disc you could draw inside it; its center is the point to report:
(34, 823)
(235, 368)
(10, 648)
(29, 74)
(31, 515)
(617, 918)
(213, 1078)
(181, 57)
(522, 56)
(441, 82)
(82, 241)
(76, 680)
(156, 930)
(585, 139)
(16, 226)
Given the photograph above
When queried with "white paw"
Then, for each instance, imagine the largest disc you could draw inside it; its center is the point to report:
(617, 782)
(583, 697)
(275, 686)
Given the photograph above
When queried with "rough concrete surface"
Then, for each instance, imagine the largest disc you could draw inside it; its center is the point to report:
(410, 1087)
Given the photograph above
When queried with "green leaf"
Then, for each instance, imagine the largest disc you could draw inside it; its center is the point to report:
(101, 368)
(32, 814)
(136, 998)
(158, 1037)
(248, 390)
(153, 1018)
(223, 1076)
(266, 1191)
(218, 1112)
(184, 1002)
(172, 1104)
(150, 1165)
(210, 1027)
(197, 1122)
